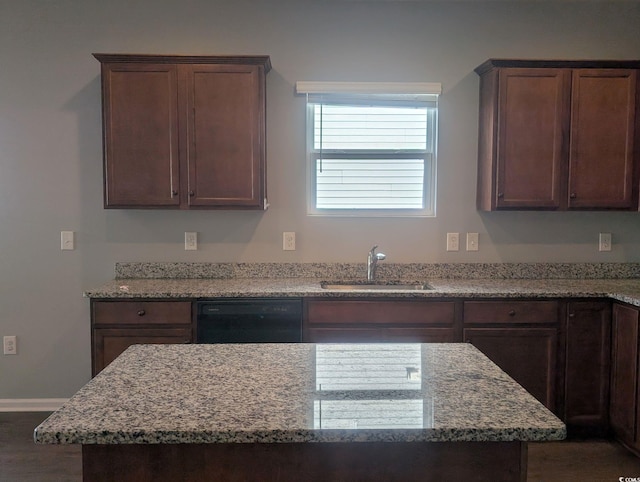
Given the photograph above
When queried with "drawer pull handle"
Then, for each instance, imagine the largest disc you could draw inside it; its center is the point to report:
(141, 313)
(572, 315)
(512, 313)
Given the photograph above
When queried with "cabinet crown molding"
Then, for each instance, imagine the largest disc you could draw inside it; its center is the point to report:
(557, 64)
(261, 60)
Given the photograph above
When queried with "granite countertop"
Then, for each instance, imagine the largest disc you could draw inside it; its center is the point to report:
(625, 290)
(281, 393)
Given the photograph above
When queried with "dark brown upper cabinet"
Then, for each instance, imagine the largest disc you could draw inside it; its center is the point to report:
(558, 135)
(184, 132)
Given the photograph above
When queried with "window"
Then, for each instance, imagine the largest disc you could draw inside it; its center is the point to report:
(371, 148)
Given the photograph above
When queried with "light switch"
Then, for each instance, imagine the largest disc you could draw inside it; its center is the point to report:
(67, 241)
(289, 241)
(190, 241)
(472, 241)
(604, 242)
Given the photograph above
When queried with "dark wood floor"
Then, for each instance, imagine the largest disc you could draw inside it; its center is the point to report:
(21, 460)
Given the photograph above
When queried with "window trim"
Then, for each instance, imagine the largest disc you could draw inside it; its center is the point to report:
(385, 94)
(432, 89)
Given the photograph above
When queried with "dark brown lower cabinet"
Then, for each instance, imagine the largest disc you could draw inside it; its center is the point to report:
(118, 324)
(587, 363)
(400, 321)
(528, 355)
(580, 358)
(623, 408)
(521, 337)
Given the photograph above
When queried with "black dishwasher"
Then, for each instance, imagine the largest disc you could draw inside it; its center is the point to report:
(249, 320)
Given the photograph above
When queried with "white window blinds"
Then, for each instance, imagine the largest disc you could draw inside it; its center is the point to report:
(369, 127)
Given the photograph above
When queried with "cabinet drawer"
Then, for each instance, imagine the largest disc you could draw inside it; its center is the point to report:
(380, 312)
(141, 312)
(511, 311)
(380, 335)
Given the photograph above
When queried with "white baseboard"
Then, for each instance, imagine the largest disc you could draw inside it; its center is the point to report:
(31, 404)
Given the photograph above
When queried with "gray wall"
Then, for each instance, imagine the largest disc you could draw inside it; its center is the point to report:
(51, 157)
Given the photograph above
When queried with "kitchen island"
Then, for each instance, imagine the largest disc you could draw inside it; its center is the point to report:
(302, 412)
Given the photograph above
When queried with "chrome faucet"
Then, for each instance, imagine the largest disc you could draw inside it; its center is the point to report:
(372, 263)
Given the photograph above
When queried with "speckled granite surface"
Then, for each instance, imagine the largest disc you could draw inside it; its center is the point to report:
(385, 270)
(626, 290)
(300, 393)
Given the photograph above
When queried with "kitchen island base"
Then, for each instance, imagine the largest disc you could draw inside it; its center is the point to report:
(309, 462)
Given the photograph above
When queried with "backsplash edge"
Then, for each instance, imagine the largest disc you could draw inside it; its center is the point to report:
(386, 271)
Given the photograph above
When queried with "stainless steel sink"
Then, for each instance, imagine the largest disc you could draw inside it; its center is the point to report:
(375, 286)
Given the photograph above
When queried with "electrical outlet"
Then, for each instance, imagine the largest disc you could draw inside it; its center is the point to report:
(66, 240)
(604, 243)
(289, 241)
(10, 345)
(190, 241)
(453, 241)
(472, 241)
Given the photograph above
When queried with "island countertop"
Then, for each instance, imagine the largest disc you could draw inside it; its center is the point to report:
(287, 393)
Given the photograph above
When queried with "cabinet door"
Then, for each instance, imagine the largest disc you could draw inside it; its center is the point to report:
(603, 109)
(140, 122)
(587, 365)
(624, 373)
(226, 128)
(528, 355)
(108, 343)
(532, 119)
